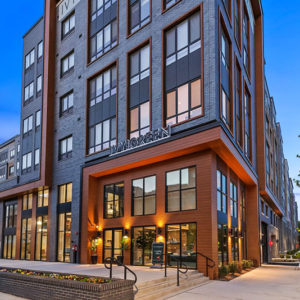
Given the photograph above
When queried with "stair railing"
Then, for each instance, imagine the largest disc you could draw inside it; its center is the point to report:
(209, 262)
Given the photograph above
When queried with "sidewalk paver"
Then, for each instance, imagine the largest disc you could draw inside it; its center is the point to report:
(267, 282)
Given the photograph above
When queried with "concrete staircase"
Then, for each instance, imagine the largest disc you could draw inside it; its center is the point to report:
(163, 288)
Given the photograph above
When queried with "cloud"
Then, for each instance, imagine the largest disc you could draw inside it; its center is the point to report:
(9, 126)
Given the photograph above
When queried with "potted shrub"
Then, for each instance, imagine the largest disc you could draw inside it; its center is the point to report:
(93, 248)
(124, 246)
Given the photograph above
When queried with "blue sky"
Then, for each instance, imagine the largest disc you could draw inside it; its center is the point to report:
(282, 44)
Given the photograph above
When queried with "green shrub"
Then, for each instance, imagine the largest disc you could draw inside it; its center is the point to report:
(223, 271)
(244, 264)
(250, 264)
(233, 267)
(281, 255)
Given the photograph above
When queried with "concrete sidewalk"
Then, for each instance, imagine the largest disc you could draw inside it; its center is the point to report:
(267, 282)
(143, 273)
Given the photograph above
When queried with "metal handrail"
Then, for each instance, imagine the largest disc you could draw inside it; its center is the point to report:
(208, 259)
(180, 264)
(113, 260)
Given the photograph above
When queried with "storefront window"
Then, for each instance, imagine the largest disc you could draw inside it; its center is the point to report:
(143, 238)
(181, 189)
(144, 194)
(222, 244)
(26, 239)
(64, 237)
(9, 241)
(234, 244)
(181, 244)
(113, 200)
(43, 197)
(41, 238)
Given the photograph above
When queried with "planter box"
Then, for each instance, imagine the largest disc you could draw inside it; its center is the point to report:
(43, 288)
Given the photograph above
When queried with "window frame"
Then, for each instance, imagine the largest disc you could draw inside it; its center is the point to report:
(238, 31)
(164, 8)
(223, 29)
(28, 124)
(198, 8)
(67, 19)
(228, 13)
(247, 92)
(39, 85)
(247, 69)
(138, 48)
(67, 154)
(39, 237)
(180, 190)
(69, 110)
(40, 44)
(28, 168)
(121, 207)
(30, 55)
(129, 33)
(222, 193)
(30, 88)
(143, 196)
(241, 102)
(70, 69)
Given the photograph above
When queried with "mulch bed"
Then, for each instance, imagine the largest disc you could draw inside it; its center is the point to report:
(235, 275)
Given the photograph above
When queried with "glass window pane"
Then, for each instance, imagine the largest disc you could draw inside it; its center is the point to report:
(145, 115)
(145, 58)
(150, 185)
(138, 187)
(138, 206)
(171, 104)
(182, 35)
(98, 134)
(171, 41)
(195, 27)
(173, 180)
(174, 201)
(196, 93)
(183, 98)
(134, 119)
(135, 15)
(145, 9)
(69, 192)
(134, 64)
(150, 205)
(188, 199)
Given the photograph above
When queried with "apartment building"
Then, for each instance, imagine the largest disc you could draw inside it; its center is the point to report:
(150, 120)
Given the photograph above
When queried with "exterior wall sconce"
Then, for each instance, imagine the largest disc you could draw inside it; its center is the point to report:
(225, 231)
(159, 231)
(126, 232)
(99, 234)
(230, 232)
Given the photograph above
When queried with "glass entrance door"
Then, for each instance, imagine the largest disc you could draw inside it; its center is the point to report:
(181, 244)
(112, 243)
(143, 238)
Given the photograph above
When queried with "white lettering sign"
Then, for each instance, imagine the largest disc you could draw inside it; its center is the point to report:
(66, 7)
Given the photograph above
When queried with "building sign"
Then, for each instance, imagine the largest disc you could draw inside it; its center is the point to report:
(158, 253)
(148, 138)
(251, 15)
(65, 7)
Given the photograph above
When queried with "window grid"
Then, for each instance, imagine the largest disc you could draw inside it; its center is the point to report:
(39, 84)
(181, 190)
(143, 195)
(36, 157)
(68, 26)
(247, 129)
(27, 125)
(38, 119)
(26, 163)
(170, 3)
(67, 64)
(99, 6)
(114, 200)
(28, 92)
(29, 59)
(26, 239)
(43, 198)
(40, 49)
(246, 32)
(233, 200)
(66, 104)
(139, 14)
(65, 193)
(27, 202)
(65, 148)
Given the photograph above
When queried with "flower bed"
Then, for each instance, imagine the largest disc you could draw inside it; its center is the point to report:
(235, 269)
(41, 285)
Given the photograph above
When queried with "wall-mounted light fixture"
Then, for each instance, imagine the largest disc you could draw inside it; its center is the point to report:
(126, 232)
(99, 234)
(159, 231)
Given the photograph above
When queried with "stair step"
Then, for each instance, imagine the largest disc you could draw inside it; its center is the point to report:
(160, 293)
(164, 279)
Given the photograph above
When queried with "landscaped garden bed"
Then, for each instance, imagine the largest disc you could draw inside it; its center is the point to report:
(44, 285)
(235, 269)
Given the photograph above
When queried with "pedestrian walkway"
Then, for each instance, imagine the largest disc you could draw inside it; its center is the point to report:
(143, 273)
(265, 283)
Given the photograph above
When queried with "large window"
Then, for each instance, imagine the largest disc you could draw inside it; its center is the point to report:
(247, 129)
(41, 238)
(65, 148)
(233, 200)
(26, 239)
(66, 104)
(181, 189)
(64, 237)
(9, 232)
(246, 32)
(43, 198)
(36, 157)
(27, 202)
(102, 111)
(65, 193)
(268, 164)
(114, 200)
(37, 119)
(225, 79)
(239, 105)
(234, 244)
(67, 63)
(221, 192)
(139, 14)
(181, 242)
(222, 244)
(29, 59)
(27, 124)
(68, 25)
(39, 83)
(103, 27)
(28, 92)
(144, 196)
(26, 162)
(183, 86)
(139, 92)
(243, 222)
(227, 5)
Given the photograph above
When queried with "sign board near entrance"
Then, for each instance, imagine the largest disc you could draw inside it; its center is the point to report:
(158, 253)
